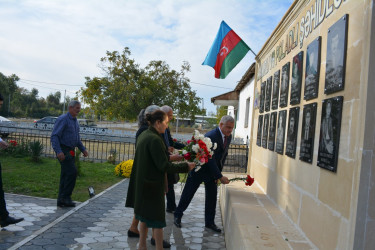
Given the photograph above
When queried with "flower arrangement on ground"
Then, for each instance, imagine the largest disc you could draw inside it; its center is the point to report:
(248, 180)
(199, 149)
(124, 168)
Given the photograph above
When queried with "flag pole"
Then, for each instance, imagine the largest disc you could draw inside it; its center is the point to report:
(252, 51)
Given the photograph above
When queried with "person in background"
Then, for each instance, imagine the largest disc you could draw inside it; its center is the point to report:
(5, 219)
(64, 139)
(171, 145)
(150, 165)
(209, 173)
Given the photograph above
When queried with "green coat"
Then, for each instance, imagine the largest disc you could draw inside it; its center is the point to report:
(146, 186)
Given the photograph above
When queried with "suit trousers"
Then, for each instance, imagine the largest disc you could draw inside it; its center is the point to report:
(171, 198)
(68, 178)
(3, 207)
(192, 184)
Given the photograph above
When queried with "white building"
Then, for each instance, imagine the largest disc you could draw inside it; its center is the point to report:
(240, 104)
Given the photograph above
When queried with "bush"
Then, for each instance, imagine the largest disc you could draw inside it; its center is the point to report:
(112, 156)
(17, 149)
(36, 148)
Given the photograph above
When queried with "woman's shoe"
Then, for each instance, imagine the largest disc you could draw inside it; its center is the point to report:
(133, 234)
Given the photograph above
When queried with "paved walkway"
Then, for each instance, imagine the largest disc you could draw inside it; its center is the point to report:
(100, 223)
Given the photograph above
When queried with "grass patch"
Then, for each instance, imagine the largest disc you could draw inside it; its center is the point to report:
(22, 176)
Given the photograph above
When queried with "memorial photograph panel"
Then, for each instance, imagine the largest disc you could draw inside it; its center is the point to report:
(308, 132)
(265, 130)
(259, 132)
(296, 82)
(336, 56)
(284, 91)
(267, 102)
(312, 72)
(275, 90)
(262, 96)
(330, 133)
(281, 132)
(291, 139)
(272, 131)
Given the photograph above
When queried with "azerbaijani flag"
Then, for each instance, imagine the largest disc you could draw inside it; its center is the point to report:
(226, 52)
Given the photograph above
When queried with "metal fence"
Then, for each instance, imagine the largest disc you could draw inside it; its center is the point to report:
(103, 148)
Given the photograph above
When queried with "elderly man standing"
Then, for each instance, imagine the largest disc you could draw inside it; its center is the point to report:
(209, 174)
(65, 137)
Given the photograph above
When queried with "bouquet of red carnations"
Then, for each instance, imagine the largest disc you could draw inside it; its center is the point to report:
(248, 180)
(199, 149)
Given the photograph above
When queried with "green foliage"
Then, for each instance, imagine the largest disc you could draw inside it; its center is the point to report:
(18, 148)
(36, 149)
(221, 111)
(112, 156)
(127, 88)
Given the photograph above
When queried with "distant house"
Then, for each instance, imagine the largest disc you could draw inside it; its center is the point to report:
(240, 104)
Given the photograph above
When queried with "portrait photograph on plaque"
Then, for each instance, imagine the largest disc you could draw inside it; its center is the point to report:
(284, 89)
(275, 90)
(259, 132)
(272, 131)
(336, 56)
(281, 132)
(296, 82)
(291, 138)
(265, 130)
(262, 96)
(308, 132)
(267, 102)
(312, 69)
(330, 133)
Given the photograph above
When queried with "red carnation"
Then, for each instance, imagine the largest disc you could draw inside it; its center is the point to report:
(249, 181)
(13, 143)
(174, 140)
(72, 153)
(187, 156)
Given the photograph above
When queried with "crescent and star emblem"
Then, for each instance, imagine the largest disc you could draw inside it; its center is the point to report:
(223, 50)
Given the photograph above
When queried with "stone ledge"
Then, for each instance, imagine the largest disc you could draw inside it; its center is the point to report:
(252, 221)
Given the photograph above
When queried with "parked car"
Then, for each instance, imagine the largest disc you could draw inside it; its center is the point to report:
(45, 123)
(5, 123)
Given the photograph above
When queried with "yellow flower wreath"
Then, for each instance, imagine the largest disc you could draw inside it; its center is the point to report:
(124, 168)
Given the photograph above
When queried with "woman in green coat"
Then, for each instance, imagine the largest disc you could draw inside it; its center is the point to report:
(151, 164)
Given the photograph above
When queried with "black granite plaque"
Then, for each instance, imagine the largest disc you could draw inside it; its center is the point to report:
(296, 82)
(330, 133)
(281, 132)
(272, 131)
(291, 139)
(336, 56)
(308, 132)
(284, 85)
(262, 96)
(267, 102)
(275, 90)
(312, 70)
(259, 133)
(265, 130)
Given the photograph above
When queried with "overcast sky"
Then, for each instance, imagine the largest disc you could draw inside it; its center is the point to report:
(54, 45)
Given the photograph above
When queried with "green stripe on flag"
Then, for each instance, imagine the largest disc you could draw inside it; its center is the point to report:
(233, 58)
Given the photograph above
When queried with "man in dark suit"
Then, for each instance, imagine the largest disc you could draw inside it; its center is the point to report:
(209, 174)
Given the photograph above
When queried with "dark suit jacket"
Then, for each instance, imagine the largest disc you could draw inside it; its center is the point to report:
(214, 166)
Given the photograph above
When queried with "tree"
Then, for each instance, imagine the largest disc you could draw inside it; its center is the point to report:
(221, 111)
(127, 88)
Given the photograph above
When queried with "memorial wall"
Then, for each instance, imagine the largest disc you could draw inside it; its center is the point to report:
(308, 146)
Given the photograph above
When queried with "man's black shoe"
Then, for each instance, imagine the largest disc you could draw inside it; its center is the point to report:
(177, 222)
(214, 227)
(9, 220)
(166, 244)
(61, 203)
(171, 211)
(132, 234)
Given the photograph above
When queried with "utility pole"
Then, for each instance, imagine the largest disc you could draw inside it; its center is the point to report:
(64, 102)
(9, 105)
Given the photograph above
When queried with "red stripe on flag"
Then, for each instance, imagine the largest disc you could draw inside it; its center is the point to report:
(229, 42)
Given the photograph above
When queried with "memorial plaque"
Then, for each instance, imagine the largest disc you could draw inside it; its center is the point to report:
(312, 70)
(267, 102)
(281, 132)
(291, 139)
(262, 96)
(265, 130)
(275, 90)
(295, 90)
(259, 133)
(336, 56)
(308, 132)
(284, 91)
(330, 133)
(272, 131)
